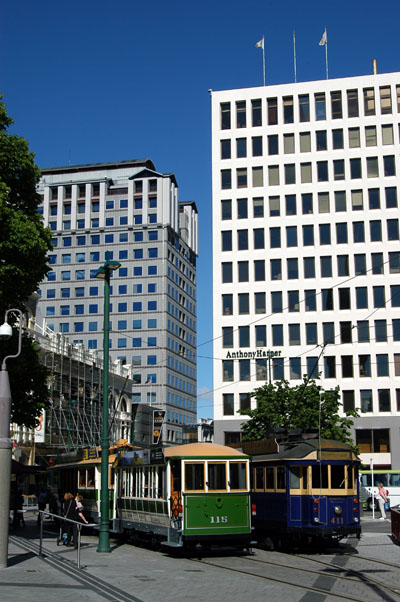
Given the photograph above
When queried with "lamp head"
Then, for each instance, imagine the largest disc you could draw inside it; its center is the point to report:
(5, 331)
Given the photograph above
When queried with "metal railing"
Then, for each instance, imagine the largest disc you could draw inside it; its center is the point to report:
(63, 519)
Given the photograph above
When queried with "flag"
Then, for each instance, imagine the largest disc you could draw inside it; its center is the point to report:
(323, 40)
(260, 44)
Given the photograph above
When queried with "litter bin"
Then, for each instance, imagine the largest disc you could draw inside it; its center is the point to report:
(395, 515)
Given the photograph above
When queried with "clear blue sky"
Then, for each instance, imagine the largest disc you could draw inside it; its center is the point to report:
(90, 81)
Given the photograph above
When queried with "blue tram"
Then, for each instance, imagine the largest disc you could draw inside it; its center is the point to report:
(303, 490)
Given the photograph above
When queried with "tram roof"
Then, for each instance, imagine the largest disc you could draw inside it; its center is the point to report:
(202, 450)
(310, 447)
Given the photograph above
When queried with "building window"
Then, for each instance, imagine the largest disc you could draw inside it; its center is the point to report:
(364, 362)
(352, 103)
(258, 207)
(320, 106)
(228, 405)
(382, 364)
(309, 267)
(226, 180)
(288, 109)
(389, 166)
(330, 367)
(304, 107)
(386, 100)
(226, 209)
(336, 105)
(305, 142)
(337, 139)
(328, 331)
(227, 305)
(272, 110)
(384, 400)
(312, 367)
(242, 209)
(241, 114)
(366, 400)
(243, 303)
(307, 204)
(241, 148)
(225, 116)
(227, 337)
(259, 303)
(243, 271)
(261, 336)
(256, 114)
(347, 366)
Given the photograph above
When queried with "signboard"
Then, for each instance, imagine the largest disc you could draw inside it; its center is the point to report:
(158, 419)
(40, 429)
(90, 453)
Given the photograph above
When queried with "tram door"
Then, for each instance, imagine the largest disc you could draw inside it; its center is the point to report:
(176, 488)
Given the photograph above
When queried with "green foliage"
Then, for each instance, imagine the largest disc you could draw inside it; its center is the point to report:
(24, 244)
(305, 406)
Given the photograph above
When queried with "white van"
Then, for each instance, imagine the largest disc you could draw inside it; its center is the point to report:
(390, 480)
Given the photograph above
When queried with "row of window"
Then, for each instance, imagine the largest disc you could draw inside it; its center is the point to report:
(323, 140)
(307, 203)
(81, 207)
(80, 257)
(319, 102)
(93, 190)
(82, 240)
(312, 333)
(93, 291)
(152, 270)
(79, 309)
(309, 271)
(95, 223)
(310, 235)
(290, 173)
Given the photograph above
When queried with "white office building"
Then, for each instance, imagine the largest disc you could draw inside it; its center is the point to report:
(306, 248)
(132, 211)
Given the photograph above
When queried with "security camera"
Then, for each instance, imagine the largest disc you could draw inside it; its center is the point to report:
(5, 331)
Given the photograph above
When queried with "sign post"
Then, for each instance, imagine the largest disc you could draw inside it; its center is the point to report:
(158, 419)
(372, 486)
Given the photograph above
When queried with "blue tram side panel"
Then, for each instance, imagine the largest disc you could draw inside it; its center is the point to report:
(303, 490)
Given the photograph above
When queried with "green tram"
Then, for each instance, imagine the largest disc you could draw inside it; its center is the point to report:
(179, 496)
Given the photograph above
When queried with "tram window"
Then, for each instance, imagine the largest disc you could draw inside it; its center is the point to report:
(112, 477)
(280, 477)
(216, 476)
(394, 479)
(270, 478)
(81, 477)
(194, 477)
(295, 477)
(176, 475)
(237, 475)
(338, 480)
(90, 477)
(160, 479)
(320, 476)
(260, 478)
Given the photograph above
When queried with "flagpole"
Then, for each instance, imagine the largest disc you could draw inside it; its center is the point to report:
(326, 53)
(294, 56)
(263, 49)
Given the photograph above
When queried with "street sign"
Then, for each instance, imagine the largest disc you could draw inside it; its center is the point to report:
(158, 419)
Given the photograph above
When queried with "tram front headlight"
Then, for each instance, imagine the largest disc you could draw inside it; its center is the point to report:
(338, 510)
(316, 519)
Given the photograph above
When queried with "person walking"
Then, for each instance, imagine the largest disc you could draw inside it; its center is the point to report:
(381, 498)
(73, 510)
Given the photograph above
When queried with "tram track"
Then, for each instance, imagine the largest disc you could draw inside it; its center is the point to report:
(102, 588)
(357, 577)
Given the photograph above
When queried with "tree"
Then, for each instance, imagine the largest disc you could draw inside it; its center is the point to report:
(305, 406)
(24, 244)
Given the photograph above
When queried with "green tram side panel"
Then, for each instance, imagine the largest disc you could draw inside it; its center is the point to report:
(224, 513)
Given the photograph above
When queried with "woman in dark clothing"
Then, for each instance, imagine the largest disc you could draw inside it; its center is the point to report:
(72, 512)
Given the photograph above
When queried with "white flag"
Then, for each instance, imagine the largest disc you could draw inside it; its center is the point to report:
(322, 41)
(260, 44)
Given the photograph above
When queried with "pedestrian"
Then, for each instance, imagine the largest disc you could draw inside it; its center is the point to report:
(73, 512)
(42, 501)
(18, 511)
(381, 498)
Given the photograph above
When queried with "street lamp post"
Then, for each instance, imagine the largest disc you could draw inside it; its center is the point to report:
(5, 441)
(104, 273)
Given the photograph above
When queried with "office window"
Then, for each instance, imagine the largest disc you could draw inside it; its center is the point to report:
(382, 364)
(258, 176)
(242, 208)
(389, 165)
(307, 203)
(387, 134)
(243, 271)
(344, 298)
(276, 269)
(225, 149)
(330, 367)
(291, 236)
(311, 333)
(275, 237)
(380, 331)
(292, 268)
(369, 101)
(312, 367)
(326, 266)
(78, 326)
(358, 232)
(341, 233)
(257, 146)
(259, 270)
(242, 240)
(324, 234)
(370, 136)
(361, 297)
(241, 148)
(348, 401)
(363, 331)
(327, 299)
(379, 296)
(273, 175)
(308, 235)
(337, 139)
(345, 332)
(258, 207)
(355, 169)
(304, 107)
(259, 303)
(273, 145)
(277, 335)
(343, 265)
(226, 210)
(322, 171)
(377, 263)
(288, 143)
(228, 404)
(295, 368)
(360, 267)
(394, 262)
(244, 336)
(272, 110)
(227, 271)
(290, 173)
(241, 114)
(320, 106)
(393, 229)
(227, 305)
(276, 302)
(375, 230)
(241, 177)
(226, 244)
(352, 103)
(328, 332)
(244, 369)
(293, 301)
(310, 300)
(261, 336)
(226, 180)
(256, 114)
(64, 275)
(258, 238)
(386, 100)
(288, 109)
(305, 142)
(305, 173)
(347, 366)
(321, 140)
(309, 267)
(336, 105)
(243, 303)
(225, 115)
(274, 206)
(372, 167)
(323, 202)
(338, 169)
